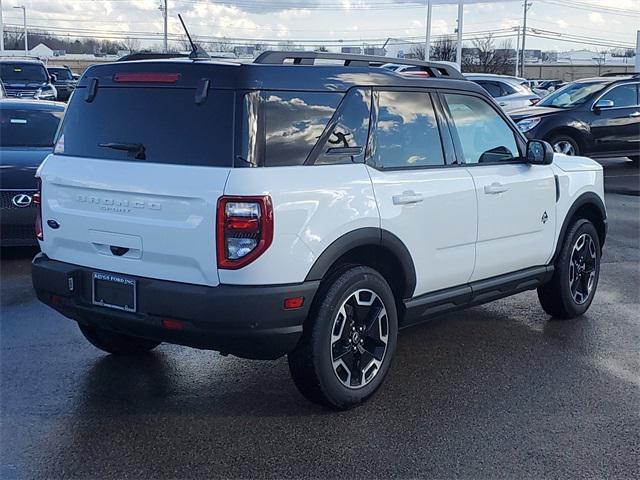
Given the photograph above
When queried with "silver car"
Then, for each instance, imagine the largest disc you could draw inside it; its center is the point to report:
(509, 92)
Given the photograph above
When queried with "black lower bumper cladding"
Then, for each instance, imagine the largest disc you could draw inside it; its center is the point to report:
(247, 321)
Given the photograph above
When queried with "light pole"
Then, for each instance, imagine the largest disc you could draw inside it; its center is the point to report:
(24, 16)
(164, 8)
(1, 30)
(427, 45)
(459, 45)
(527, 6)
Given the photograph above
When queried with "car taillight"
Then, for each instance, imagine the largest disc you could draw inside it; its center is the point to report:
(37, 201)
(244, 230)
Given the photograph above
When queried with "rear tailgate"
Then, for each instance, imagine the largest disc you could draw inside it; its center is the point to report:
(138, 170)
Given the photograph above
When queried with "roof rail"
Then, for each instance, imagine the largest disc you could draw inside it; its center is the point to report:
(621, 74)
(308, 58)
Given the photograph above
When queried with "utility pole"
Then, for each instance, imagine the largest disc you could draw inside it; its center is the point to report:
(459, 45)
(24, 16)
(517, 50)
(164, 8)
(527, 6)
(427, 45)
(637, 70)
(1, 30)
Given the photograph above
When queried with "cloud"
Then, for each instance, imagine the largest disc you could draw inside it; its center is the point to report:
(597, 18)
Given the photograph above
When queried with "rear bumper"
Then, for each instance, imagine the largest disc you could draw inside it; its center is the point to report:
(247, 321)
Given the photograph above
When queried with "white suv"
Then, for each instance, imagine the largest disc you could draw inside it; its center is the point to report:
(291, 207)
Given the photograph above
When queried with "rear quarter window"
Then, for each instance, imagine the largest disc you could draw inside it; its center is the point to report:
(167, 121)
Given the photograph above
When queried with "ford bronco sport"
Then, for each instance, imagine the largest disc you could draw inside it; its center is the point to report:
(308, 205)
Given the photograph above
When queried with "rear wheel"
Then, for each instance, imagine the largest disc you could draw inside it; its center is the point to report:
(577, 269)
(564, 144)
(117, 343)
(350, 340)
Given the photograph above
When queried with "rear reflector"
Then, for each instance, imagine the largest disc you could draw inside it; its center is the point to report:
(170, 324)
(294, 302)
(146, 77)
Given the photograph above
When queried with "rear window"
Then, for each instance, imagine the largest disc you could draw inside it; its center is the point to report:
(61, 73)
(27, 72)
(28, 128)
(165, 122)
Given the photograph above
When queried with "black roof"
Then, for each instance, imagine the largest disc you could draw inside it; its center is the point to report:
(27, 104)
(269, 76)
(21, 61)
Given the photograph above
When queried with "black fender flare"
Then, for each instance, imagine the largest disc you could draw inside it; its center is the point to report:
(588, 198)
(362, 237)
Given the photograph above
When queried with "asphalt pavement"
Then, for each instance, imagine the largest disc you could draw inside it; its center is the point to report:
(498, 391)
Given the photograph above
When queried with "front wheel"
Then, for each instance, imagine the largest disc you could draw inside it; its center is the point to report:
(349, 340)
(577, 270)
(564, 144)
(116, 343)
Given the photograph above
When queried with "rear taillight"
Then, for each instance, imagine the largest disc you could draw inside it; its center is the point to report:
(244, 230)
(37, 201)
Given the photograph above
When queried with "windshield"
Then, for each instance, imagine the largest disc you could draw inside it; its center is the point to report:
(61, 73)
(572, 95)
(26, 72)
(28, 128)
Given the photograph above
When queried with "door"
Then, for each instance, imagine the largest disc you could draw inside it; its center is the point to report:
(617, 128)
(516, 200)
(429, 205)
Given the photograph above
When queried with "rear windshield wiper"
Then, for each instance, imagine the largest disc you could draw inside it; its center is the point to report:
(135, 150)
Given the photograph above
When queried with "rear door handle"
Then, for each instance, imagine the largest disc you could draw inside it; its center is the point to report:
(635, 115)
(408, 197)
(495, 188)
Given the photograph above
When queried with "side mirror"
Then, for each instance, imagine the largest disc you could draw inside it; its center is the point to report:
(600, 104)
(539, 152)
(54, 78)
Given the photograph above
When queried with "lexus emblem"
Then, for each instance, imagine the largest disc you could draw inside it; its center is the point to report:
(21, 200)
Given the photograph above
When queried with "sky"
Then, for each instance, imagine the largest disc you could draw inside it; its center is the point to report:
(559, 24)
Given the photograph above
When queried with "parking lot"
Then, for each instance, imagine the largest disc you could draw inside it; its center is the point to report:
(495, 391)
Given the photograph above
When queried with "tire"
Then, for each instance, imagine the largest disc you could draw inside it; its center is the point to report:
(564, 144)
(322, 364)
(563, 298)
(635, 160)
(117, 343)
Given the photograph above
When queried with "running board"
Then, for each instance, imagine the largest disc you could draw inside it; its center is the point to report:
(430, 305)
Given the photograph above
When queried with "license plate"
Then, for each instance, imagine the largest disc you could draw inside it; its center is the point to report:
(114, 291)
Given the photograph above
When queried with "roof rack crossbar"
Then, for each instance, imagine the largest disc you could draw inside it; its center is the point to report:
(348, 60)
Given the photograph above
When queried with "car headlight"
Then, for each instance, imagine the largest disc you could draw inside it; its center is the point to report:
(527, 124)
(47, 93)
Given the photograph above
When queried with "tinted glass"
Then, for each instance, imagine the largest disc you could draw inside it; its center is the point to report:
(167, 122)
(349, 130)
(622, 96)
(492, 88)
(293, 122)
(16, 72)
(572, 95)
(61, 73)
(28, 128)
(407, 132)
(483, 134)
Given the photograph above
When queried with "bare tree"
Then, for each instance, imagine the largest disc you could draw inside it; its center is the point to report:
(443, 49)
(484, 57)
(131, 44)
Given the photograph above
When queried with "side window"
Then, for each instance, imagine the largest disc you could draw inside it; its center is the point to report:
(484, 136)
(493, 88)
(407, 133)
(623, 96)
(507, 89)
(292, 122)
(347, 140)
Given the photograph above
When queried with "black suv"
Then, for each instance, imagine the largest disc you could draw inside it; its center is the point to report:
(25, 78)
(597, 117)
(63, 80)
